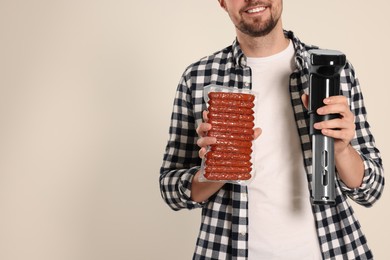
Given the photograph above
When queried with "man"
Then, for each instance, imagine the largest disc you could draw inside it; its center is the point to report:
(272, 217)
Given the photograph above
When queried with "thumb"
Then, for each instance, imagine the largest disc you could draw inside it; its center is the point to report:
(205, 114)
(257, 133)
(305, 100)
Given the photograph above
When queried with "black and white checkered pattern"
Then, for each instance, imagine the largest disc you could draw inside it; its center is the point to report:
(224, 228)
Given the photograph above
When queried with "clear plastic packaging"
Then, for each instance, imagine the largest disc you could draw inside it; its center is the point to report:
(232, 114)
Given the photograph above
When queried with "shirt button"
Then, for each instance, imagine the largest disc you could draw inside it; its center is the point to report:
(246, 84)
(243, 234)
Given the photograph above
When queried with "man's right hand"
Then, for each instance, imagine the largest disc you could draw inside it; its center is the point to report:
(201, 191)
(204, 140)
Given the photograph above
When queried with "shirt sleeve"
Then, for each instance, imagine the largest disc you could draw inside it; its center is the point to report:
(364, 143)
(181, 159)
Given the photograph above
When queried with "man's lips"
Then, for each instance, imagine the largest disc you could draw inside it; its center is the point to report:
(254, 10)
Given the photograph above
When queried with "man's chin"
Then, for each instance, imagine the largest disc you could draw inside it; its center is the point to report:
(257, 30)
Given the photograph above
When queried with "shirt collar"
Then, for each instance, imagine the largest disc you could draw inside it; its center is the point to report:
(238, 55)
(301, 53)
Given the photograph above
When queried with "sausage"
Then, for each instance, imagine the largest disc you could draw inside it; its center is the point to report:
(233, 110)
(230, 136)
(238, 143)
(232, 130)
(231, 103)
(232, 120)
(228, 169)
(227, 156)
(231, 149)
(222, 176)
(232, 163)
(235, 96)
(232, 117)
(243, 124)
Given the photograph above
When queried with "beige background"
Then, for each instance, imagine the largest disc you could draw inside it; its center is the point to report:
(86, 89)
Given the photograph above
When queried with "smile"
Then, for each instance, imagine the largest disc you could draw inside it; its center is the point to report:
(256, 10)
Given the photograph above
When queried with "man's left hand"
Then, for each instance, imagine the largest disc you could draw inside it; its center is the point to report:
(342, 129)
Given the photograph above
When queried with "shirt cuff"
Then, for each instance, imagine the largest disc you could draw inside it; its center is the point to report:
(185, 188)
(367, 182)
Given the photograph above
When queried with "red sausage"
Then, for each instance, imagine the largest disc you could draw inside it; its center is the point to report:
(232, 130)
(230, 136)
(246, 144)
(243, 124)
(231, 117)
(227, 169)
(222, 176)
(233, 110)
(235, 96)
(231, 103)
(228, 156)
(231, 163)
(231, 149)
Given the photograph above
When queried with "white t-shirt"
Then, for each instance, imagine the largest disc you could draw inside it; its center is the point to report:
(281, 222)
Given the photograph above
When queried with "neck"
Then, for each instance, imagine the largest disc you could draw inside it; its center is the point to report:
(264, 46)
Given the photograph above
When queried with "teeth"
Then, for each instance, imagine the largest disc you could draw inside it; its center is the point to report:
(256, 10)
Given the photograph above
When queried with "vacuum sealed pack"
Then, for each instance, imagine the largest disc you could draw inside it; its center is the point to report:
(231, 113)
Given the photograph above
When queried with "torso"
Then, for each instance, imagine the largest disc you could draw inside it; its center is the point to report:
(281, 222)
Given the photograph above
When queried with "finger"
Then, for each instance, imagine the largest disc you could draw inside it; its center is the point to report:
(335, 124)
(336, 108)
(206, 141)
(203, 128)
(344, 135)
(335, 104)
(305, 100)
(202, 152)
(257, 133)
(336, 100)
(205, 115)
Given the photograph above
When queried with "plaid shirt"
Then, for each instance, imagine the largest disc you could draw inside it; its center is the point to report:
(224, 226)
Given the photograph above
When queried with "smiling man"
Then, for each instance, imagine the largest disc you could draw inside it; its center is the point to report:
(272, 217)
